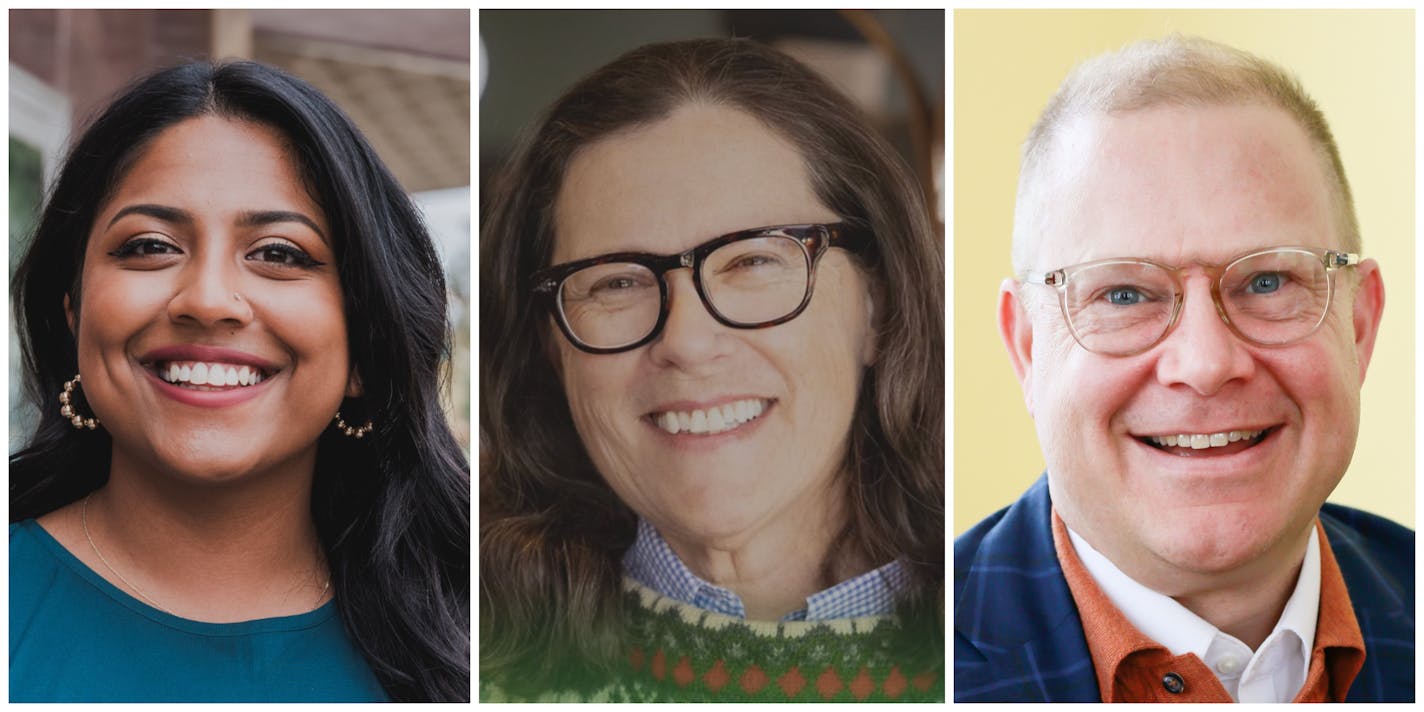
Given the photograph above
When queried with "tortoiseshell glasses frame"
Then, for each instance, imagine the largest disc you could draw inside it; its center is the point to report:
(812, 239)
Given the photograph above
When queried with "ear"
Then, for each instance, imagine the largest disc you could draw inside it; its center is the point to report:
(1368, 308)
(869, 349)
(69, 313)
(1016, 330)
(354, 389)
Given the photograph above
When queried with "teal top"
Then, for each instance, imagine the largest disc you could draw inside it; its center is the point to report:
(75, 637)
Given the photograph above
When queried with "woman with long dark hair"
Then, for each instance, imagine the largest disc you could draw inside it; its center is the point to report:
(711, 407)
(242, 486)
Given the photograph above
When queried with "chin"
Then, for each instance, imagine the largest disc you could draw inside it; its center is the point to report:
(1217, 539)
(716, 522)
(210, 472)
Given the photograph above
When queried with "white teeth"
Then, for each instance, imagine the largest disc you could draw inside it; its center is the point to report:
(218, 375)
(712, 420)
(1202, 441)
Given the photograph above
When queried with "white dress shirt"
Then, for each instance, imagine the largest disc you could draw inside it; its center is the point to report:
(1275, 672)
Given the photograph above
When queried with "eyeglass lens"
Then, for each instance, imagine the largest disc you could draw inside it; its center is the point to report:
(1125, 307)
(749, 282)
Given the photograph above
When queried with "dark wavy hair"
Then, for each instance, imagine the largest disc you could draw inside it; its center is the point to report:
(392, 510)
(552, 533)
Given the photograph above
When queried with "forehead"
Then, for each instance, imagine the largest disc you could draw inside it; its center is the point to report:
(1183, 184)
(703, 171)
(216, 165)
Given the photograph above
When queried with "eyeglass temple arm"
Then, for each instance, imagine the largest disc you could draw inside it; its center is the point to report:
(1336, 260)
(1052, 279)
(848, 236)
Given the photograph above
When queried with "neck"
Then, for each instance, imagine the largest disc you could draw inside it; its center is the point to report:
(774, 565)
(1245, 602)
(1248, 608)
(216, 552)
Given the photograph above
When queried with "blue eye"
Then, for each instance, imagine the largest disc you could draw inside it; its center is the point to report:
(1264, 283)
(1125, 296)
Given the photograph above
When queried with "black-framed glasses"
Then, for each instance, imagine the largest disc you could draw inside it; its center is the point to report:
(751, 279)
(1124, 306)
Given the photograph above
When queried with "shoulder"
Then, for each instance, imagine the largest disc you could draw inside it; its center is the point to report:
(32, 551)
(38, 577)
(1376, 559)
(1016, 538)
(1017, 634)
(1368, 543)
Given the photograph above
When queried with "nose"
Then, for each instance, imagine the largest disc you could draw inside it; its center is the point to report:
(690, 336)
(1202, 353)
(207, 292)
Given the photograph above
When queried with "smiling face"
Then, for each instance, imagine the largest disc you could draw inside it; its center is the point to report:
(1182, 186)
(211, 334)
(664, 188)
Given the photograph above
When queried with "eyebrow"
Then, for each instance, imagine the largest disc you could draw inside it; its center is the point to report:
(259, 218)
(249, 218)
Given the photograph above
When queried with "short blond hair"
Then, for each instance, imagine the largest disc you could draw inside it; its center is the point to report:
(1172, 71)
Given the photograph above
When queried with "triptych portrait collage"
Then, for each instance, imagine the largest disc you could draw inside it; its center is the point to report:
(760, 292)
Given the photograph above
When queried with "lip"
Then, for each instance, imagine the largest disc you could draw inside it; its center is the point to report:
(206, 399)
(196, 352)
(705, 404)
(1207, 430)
(698, 443)
(1224, 466)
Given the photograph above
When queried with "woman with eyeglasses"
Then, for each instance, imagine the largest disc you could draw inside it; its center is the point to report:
(711, 395)
(242, 486)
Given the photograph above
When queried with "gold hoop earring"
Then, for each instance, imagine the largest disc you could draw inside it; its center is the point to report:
(66, 408)
(350, 432)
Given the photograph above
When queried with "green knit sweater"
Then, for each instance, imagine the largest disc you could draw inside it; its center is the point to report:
(674, 652)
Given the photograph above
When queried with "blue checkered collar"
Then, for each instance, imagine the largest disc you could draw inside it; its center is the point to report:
(651, 562)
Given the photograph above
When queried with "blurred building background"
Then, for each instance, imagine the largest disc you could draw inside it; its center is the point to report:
(890, 62)
(402, 75)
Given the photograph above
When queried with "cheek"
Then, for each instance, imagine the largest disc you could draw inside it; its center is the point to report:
(1077, 394)
(1322, 377)
(596, 389)
(111, 307)
(316, 319)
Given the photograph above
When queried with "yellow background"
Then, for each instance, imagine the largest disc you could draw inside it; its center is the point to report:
(1358, 65)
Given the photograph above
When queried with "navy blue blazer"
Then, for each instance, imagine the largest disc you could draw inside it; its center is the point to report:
(1018, 638)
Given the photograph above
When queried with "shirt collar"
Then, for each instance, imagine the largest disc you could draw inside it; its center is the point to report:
(1162, 619)
(653, 563)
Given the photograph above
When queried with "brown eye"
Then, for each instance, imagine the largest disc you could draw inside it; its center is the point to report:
(145, 246)
(283, 254)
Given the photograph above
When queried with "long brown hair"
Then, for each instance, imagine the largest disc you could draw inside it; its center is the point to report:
(552, 533)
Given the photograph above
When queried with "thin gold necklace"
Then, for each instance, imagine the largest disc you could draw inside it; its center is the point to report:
(84, 518)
